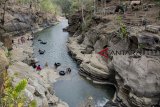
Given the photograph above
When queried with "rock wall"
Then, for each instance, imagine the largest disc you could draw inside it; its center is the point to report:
(136, 76)
(21, 18)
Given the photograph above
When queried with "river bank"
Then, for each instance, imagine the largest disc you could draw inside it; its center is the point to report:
(39, 86)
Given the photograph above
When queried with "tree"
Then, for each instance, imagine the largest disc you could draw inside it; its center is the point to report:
(77, 5)
(86, 5)
(65, 5)
(82, 8)
(42, 5)
(49, 6)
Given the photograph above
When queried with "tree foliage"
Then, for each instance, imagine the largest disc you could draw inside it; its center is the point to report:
(65, 5)
(58, 6)
(77, 5)
(123, 29)
(14, 96)
(49, 6)
(42, 5)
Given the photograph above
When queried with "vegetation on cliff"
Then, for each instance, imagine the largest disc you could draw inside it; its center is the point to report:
(13, 96)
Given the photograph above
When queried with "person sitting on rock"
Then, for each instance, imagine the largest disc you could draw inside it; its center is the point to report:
(34, 65)
(38, 68)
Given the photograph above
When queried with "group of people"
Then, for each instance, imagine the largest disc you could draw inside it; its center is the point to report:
(21, 40)
(39, 68)
(68, 70)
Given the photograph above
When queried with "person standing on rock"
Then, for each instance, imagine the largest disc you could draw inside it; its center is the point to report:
(38, 68)
(22, 40)
(34, 65)
(19, 42)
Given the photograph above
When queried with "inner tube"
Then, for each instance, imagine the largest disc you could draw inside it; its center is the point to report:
(62, 73)
(57, 64)
(31, 38)
(43, 42)
(41, 52)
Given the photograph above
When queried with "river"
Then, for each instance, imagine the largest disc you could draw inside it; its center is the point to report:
(71, 88)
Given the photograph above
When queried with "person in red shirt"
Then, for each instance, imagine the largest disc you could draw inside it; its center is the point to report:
(38, 68)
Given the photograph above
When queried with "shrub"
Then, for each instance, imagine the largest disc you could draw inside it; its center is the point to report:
(14, 96)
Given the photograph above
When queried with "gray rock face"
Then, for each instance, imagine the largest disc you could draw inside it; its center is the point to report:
(21, 18)
(137, 76)
(16, 26)
(141, 74)
(37, 88)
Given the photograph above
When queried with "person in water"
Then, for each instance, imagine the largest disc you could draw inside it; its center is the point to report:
(38, 68)
(46, 65)
(68, 70)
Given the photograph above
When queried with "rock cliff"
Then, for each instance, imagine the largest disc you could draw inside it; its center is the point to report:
(21, 18)
(136, 75)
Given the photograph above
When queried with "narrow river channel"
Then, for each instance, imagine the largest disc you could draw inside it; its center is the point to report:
(71, 88)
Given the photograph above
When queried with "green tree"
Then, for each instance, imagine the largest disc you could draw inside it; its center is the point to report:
(123, 29)
(42, 5)
(65, 5)
(79, 4)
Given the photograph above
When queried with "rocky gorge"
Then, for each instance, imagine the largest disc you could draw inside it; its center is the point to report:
(136, 76)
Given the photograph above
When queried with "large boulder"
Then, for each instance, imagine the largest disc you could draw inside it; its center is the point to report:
(138, 76)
